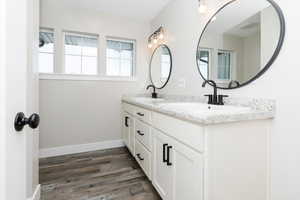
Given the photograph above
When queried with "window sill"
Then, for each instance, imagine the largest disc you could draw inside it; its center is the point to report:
(75, 77)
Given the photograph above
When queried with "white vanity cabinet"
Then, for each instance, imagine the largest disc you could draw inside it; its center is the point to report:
(140, 138)
(128, 131)
(177, 169)
(162, 171)
(190, 161)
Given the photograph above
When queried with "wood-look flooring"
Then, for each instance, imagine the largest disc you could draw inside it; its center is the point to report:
(100, 175)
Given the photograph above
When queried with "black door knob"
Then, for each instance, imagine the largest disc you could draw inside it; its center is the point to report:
(20, 121)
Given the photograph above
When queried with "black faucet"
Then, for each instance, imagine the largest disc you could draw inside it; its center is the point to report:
(214, 99)
(154, 94)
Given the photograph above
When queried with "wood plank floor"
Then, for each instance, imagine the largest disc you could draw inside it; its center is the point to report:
(100, 175)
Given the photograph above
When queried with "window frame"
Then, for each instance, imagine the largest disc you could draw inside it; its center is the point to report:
(134, 56)
(59, 58)
(52, 30)
(232, 66)
(80, 34)
(210, 61)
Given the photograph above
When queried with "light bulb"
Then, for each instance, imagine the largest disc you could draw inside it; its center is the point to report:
(155, 41)
(161, 36)
(150, 45)
(202, 8)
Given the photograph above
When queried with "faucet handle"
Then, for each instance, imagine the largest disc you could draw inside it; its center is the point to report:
(210, 98)
(221, 99)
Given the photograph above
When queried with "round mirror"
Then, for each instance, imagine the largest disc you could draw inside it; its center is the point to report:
(240, 42)
(161, 66)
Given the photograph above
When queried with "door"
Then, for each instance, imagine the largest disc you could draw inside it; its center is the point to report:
(128, 131)
(131, 134)
(162, 177)
(18, 93)
(188, 170)
(177, 169)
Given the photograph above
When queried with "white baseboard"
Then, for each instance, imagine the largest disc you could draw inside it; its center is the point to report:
(36, 194)
(65, 150)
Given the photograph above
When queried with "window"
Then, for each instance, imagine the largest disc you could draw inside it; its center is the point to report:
(81, 53)
(120, 57)
(224, 64)
(78, 57)
(204, 62)
(46, 51)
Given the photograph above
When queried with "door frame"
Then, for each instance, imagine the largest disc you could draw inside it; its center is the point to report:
(2, 103)
(17, 25)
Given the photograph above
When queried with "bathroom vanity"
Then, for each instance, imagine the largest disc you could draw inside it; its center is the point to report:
(194, 151)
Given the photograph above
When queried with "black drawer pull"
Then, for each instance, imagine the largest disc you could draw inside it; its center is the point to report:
(126, 121)
(164, 153)
(139, 157)
(140, 114)
(140, 133)
(168, 155)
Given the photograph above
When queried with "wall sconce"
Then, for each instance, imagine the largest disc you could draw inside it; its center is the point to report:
(202, 6)
(153, 39)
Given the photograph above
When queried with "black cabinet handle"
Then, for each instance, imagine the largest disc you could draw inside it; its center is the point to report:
(139, 157)
(164, 153)
(168, 155)
(140, 133)
(140, 114)
(126, 121)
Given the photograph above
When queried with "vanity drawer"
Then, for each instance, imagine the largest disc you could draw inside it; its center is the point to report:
(129, 108)
(143, 157)
(185, 132)
(143, 133)
(143, 114)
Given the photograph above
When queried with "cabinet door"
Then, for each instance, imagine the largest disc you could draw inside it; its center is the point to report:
(162, 173)
(126, 129)
(188, 170)
(131, 124)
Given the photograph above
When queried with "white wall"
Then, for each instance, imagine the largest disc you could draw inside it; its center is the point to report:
(281, 82)
(80, 112)
(269, 33)
(252, 56)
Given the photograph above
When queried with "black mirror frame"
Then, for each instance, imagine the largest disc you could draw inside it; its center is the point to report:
(171, 65)
(275, 54)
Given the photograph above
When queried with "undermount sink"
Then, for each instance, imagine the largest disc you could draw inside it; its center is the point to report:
(148, 99)
(204, 108)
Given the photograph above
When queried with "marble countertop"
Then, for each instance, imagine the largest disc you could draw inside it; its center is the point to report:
(256, 109)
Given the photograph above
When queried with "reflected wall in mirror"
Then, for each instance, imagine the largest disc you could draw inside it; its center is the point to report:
(240, 42)
(161, 66)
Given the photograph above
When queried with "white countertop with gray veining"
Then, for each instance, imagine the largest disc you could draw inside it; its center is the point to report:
(196, 109)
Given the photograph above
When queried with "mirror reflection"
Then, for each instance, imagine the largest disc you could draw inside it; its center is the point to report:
(238, 42)
(160, 66)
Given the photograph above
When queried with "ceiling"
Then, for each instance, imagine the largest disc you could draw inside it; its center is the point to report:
(237, 16)
(247, 28)
(143, 10)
